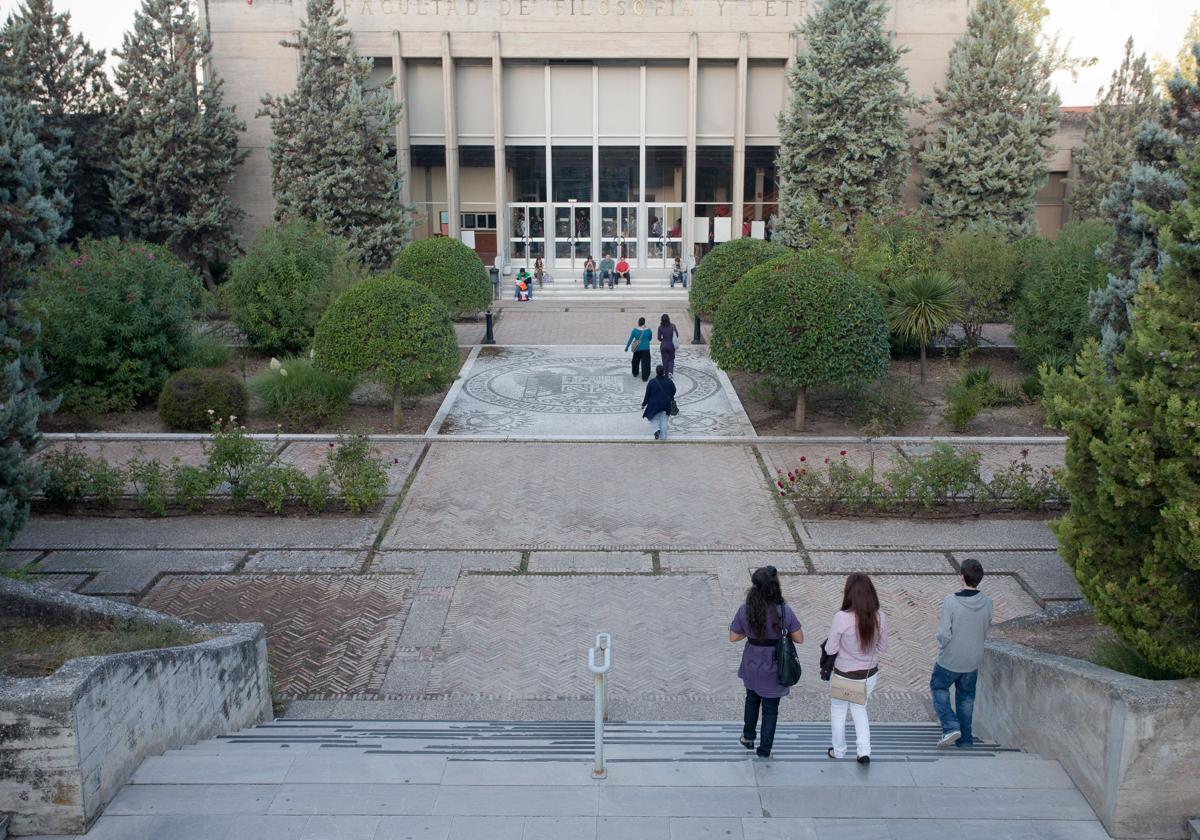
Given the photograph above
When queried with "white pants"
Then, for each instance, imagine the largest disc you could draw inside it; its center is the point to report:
(862, 726)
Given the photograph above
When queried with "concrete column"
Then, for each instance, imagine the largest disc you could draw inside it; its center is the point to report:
(550, 233)
(739, 136)
(594, 227)
(501, 165)
(403, 144)
(450, 120)
(643, 216)
(689, 244)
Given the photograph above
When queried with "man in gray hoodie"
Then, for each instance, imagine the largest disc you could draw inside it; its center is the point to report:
(962, 629)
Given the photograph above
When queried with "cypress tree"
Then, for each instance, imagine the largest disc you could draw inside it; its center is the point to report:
(178, 146)
(1107, 150)
(30, 224)
(1152, 184)
(987, 154)
(844, 141)
(63, 78)
(333, 140)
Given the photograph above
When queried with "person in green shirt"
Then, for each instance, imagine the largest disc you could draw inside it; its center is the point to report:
(606, 272)
(639, 340)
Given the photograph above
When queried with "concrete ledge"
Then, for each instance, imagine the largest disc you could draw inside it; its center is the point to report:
(1132, 746)
(72, 739)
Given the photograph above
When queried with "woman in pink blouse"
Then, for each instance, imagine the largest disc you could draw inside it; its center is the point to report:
(857, 636)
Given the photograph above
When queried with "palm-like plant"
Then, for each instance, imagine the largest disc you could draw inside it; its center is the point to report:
(923, 305)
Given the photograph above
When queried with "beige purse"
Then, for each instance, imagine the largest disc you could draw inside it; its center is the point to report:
(844, 688)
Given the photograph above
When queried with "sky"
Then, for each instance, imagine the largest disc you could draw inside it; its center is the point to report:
(1095, 27)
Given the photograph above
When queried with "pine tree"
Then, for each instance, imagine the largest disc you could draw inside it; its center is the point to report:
(63, 78)
(178, 146)
(1152, 184)
(844, 141)
(987, 155)
(1107, 150)
(1131, 535)
(30, 224)
(333, 139)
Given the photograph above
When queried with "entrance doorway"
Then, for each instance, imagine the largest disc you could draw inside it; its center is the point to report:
(572, 235)
(664, 235)
(528, 239)
(619, 231)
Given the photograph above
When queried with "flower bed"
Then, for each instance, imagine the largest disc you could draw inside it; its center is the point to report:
(944, 481)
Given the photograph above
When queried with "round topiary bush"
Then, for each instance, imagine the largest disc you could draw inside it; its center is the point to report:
(1051, 316)
(722, 268)
(391, 331)
(278, 290)
(450, 270)
(190, 394)
(116, 320)
(804, 320)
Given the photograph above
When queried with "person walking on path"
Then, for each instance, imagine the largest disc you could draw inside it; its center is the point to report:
(856, 638)
(639, 339)
(656, 404)
(758, 622)
(962, 630)
(668, 338)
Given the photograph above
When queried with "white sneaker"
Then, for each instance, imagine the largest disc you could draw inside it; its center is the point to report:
(949, 739)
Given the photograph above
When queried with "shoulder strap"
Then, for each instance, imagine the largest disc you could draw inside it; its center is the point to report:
(782, 622)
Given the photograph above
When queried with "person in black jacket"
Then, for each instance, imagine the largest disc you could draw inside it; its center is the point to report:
(657, 403)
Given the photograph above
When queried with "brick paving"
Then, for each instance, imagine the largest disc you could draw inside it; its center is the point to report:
(551, 323)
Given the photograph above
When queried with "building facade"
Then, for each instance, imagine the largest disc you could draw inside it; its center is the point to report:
(643, 129)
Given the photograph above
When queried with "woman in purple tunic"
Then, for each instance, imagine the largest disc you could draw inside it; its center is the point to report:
(757, 621)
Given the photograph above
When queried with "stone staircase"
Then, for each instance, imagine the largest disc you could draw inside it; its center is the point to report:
(386, 780)
(567, 289)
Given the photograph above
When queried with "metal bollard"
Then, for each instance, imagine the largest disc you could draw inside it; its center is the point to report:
(489, 338)
(697, 338)
(604, 646)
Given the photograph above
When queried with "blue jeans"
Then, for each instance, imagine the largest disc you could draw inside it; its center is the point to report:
(589, 279)
(661, 423)
(964, 700)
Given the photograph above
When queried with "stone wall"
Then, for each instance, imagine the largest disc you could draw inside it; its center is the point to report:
(1132, 746)
(70, 740)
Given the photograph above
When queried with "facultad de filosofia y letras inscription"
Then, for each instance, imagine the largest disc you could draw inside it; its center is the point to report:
(579, 8)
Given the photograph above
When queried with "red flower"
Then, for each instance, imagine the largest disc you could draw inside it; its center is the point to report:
(395, 460)
(781, 493)
(826, 460)
(843, 453)
(331, 445)
(803, 458)
(779, 484)
(803, 472)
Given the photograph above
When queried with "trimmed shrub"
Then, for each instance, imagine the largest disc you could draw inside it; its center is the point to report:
(1051, 315)
(722, 268)
(192, 397)
(984, 265)
(449, 269)
(278, 290)
(116, 320)
(805, 321)
(302, 394)
(391, 331)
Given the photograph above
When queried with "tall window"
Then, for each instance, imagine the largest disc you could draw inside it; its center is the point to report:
(572, 172)
(428, 185)
(619, 181)
(526, 172)
(666, 179)
(761, 191)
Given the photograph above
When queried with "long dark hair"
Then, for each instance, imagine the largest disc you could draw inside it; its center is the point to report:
(763, 592)
(859, 598)
(666, 320)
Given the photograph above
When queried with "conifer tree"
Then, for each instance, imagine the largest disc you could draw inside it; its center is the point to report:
(1152, 184)
(30, 224)
(333, 138)
(844, 140)
(1107, 150)
(178, 146)
(987, 154)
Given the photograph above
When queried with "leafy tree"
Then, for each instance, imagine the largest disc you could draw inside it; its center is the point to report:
(278, 290)
(844, 140)
(1032, 14)
(1133, 470)
(987, 154)
(450, 270)
(1153, 183)
(178, 145)
(1108, 147)
(804, 321)
(923, 305)
(1050, 317)
(30, 224)
(332, 140)
(888, 250)
(391, 331)
(723, 267)
(63, 78)
(1185, 63)
(984, 267)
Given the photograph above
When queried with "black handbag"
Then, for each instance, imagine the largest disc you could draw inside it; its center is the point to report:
(787, 663)
(674, 410)
(827, 660)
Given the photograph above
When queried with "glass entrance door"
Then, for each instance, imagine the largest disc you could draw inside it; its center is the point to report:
(619, 232)
(664, 235)
(572, 235)
(527, 223)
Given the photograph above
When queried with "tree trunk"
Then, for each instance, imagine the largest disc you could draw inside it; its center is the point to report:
(397, 409)
(922, 363)
(798, 423)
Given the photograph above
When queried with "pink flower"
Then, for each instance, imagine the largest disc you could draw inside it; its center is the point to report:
(77, 262)
(843, 453)
(150, 256)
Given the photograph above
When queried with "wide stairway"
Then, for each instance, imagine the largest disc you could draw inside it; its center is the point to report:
(565, 288)
(393, 780)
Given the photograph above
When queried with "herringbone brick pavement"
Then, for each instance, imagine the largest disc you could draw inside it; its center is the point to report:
(326, 635)
(615, 496)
